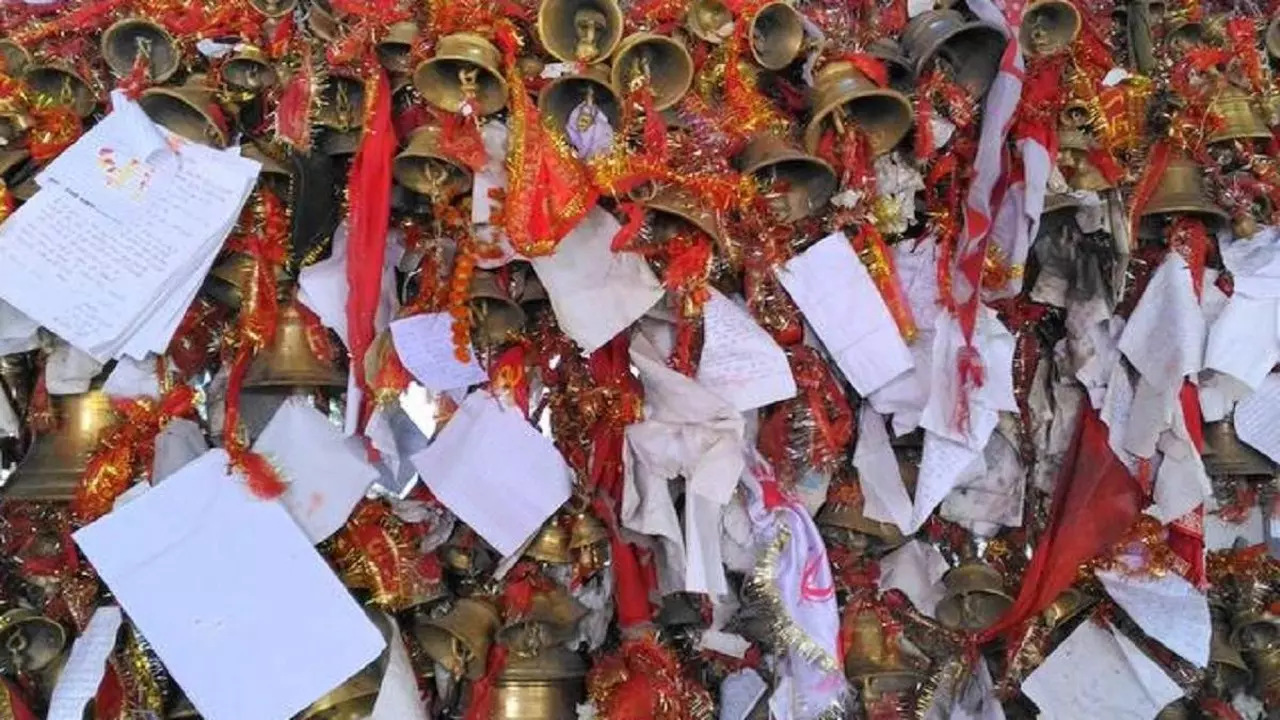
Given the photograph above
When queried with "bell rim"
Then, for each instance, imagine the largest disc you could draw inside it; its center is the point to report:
(543, 21)
(464, 174)
(630, 42)
(813, 131)
(118, 26)
(60, 69)
(10, 44)
(799, 44)
(176, 93)
(13, 620)
(261, 62)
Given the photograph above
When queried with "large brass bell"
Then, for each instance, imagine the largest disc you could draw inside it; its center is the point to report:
(15, 57)
(288, 361)
(662, 62)
(61, 85)
(355, 698)
(1242, 119)
(395, 49)
(53, 466)
(584, 31)
(975, 597)
(1225, 454)
(465, 71)
(1049, 26)
(1181, 191)
(129, 39)
(562, 96)
(188, 110)
(970, 51)
(798, 185)
(29, 641)
(709, 20)
(495, 315)
(425, 168)
(547, 685)
(551, 544)
(459, 640)
(777, 34)
(342, 104)
(875, 666)
(844, 97)
(249, 71)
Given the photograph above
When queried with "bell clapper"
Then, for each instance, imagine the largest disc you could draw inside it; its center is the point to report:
(641, 70)
(343, 107)
(468, 83)
(587, 117)
(588, 23)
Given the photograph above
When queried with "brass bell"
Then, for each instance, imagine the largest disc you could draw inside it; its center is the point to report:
(586, 530)
(273, 174)
(551, 544)
(1271, 40)
(1069, 604)
(322, 22)
(128, 39)
(1242, 118)
(971, 51)
(61, 85)
(875, 666)
(1181, 191)
(664, 62)
(1225, 454)
(275, 8)
(1266, 671)
(541, 686)
(55, 462)
(1227, 669)
(465, 69)
(188, 110)
(339, 144)
(777, 34)
(560, 97)
(808, 182)
(30, 641)
(425, 168)
(459, 640)
(495, 316)
(709, 20)
(1049, 26)
(551, 620)
(10, 162)
(837, 514)
(249, 71)
(15, 57)
(583, 31)
(354, 699)
(1183, 34)
(230, 282)
(674, 207)
(395, 49)
(844, 96)
(288, 361)
(889, 52)
(975, 597)
(342, 104)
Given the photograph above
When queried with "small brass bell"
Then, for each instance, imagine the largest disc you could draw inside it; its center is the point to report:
(1242, 119)
(342, 104)
(975, 597)
(395, 49)
(1271, 40)
(971, 51)
(664, 62)
(547, 685)
(586, 530)
(1181, 191)
(808, 182)
(1049, 26)
(55, 462)
(61, 85)
(288, 361)
(29, 641)
(230, 282)
(844, 96)
(275, 8)
(560, 97)
(249, 71)
(15, 58)
(128, 39)
(495, 315)
(836, 514)
(777, 34)
(1225, 454)
(673, 207)
(459, 640)
(583, 31)
(189, 110)
(466, 69)
(425, 168)
(1069, 604)
(551, 544)
(1228, 672)
(876, 667)
(901, 77)
(709, 20)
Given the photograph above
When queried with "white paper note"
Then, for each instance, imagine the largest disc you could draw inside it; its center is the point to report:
(1168, 608)
(943, 465)
(885, 496)
(1098, 673)
(79, 679)
(832, 288)
(248, 618)
(740, 361)
(739, 694)
(595, 292)
(398, 697)
(916, 569)
(493, 470)
(425, 346)
(1257, 418)
(326, 476)
(1165, 336)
